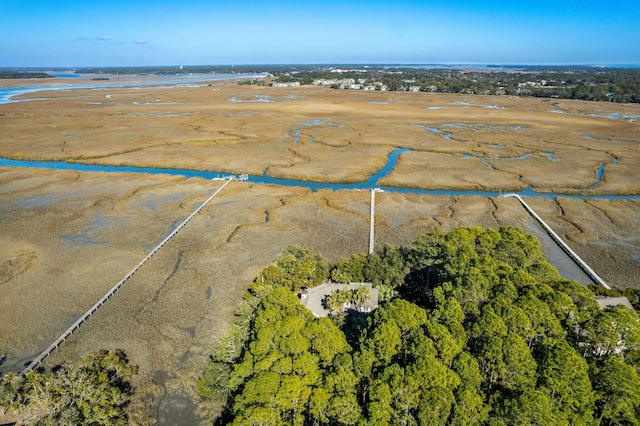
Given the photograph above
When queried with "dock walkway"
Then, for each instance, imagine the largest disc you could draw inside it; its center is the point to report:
(573, 255)
(69, 331)
(372, 218)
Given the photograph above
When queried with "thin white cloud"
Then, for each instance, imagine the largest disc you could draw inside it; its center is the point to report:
(101, 38)
(140, 42)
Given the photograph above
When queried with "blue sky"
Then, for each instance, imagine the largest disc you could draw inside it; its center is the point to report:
(72, 33)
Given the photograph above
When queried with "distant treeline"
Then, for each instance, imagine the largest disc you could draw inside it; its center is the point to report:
(562, 82)
(186, 69)
(585, 83)
(23, 74)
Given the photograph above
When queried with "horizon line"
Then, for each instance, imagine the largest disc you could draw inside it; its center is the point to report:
(308, 64)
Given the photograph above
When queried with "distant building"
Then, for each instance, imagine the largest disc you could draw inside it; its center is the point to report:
(604, 301)
(325, 82)
(288, 84)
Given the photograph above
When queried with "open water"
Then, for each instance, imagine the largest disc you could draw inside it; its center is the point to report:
(372, 182)
(6, 93)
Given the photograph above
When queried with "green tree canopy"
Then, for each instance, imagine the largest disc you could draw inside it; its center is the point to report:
(95, 392)
(295, 268)
(484, 331)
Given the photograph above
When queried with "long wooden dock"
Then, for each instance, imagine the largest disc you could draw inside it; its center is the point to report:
(372, 219)
(69, 331)
(573, 255)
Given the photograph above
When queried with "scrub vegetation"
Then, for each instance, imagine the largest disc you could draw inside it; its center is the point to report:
(482, 331)
(96, 392)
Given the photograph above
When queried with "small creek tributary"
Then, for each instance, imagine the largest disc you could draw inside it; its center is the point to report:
(371, 182)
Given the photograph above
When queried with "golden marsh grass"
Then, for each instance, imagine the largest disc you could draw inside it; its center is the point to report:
(68, 237)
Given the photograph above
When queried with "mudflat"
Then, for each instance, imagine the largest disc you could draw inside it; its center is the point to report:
(68, 237)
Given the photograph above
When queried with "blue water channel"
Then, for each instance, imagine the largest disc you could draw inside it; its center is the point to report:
(6, 93)
(372, 182)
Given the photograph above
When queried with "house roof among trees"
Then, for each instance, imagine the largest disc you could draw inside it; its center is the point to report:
(603, 302)
(313, 298)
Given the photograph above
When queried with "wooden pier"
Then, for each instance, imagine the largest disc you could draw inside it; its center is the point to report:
(69, 331)
(372, 219)
(573, 255)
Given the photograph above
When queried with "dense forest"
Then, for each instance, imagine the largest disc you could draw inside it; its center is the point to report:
(585, 83)
(96, 391)
(473, 327)
(5, 74)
